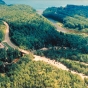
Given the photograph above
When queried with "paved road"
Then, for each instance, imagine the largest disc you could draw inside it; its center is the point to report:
(8, 41)
(54, 23)
(61, 29)
(7, 38)
(37, 58)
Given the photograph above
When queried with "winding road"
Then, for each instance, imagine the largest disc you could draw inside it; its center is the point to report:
(8, 41)
(61, 29)
(38, 58)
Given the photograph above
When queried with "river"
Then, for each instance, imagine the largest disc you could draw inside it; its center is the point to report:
(43, 4)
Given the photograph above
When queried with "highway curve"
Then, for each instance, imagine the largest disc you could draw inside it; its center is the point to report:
(37, 58)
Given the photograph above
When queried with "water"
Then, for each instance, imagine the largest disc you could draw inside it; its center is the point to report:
(43, 4)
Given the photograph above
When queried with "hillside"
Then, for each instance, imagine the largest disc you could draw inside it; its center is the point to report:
(27, 73)
(72, 16)
(31, 31)
(24, 72)
(28, 30)
(2, 31)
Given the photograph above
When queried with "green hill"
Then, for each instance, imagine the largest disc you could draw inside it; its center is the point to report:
(30, 74)
(2, 31)
(28, 29)
(72, 16)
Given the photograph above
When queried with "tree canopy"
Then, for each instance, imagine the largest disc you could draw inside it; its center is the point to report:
(29, 30)
(2, 31)
(72, 16)
(27, 73)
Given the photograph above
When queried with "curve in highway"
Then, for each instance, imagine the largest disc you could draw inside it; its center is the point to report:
(8, 41)
(37, 58)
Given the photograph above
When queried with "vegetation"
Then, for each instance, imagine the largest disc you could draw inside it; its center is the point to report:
(69, 46)
(63, 52)
(27, 73)
(76, 22)
(76, 66)
(72, 16)
(29, 30)
(6, 45)
(2, 31)
(86, 80)
(7, 56)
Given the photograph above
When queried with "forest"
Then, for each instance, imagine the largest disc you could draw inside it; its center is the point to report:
(31, 31)
(27, 73)
(72, 16)
(2, 31)
(8, 56)
(28, 30)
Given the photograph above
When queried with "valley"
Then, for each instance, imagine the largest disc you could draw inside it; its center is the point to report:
(37, 58)
(38, 53)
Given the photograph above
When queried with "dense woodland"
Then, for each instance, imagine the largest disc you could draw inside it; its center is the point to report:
(27, 73)
(72, 16)
(8, 56)
(2, 31)
(63, 52)
(76, 66)
(28, 30)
